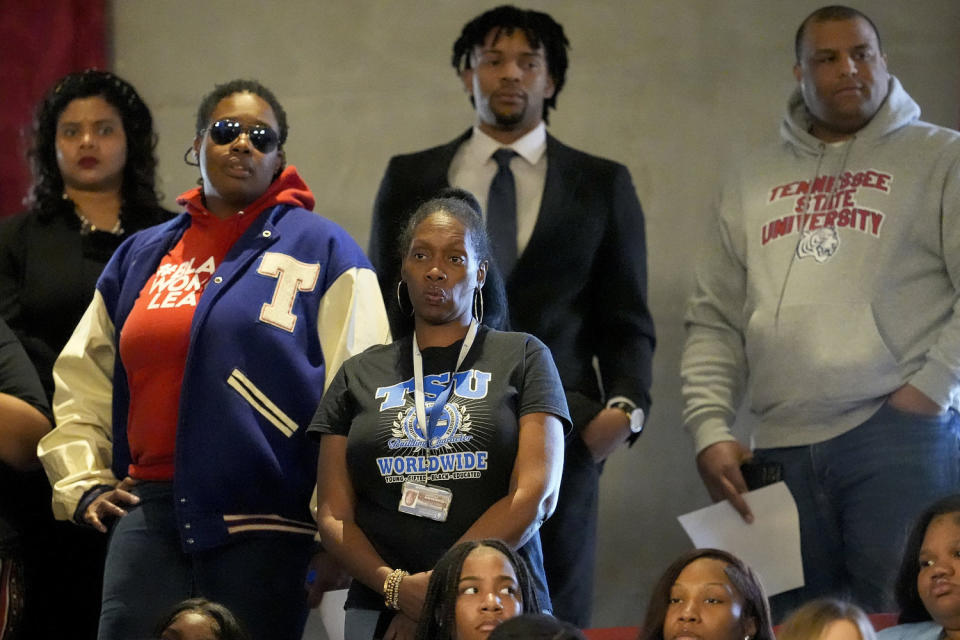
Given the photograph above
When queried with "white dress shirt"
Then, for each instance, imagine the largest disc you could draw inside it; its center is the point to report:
(473, 168)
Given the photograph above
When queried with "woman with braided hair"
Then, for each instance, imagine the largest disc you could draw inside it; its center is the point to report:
(474, 587)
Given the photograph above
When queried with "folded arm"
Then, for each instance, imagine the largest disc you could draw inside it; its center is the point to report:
(534, 484)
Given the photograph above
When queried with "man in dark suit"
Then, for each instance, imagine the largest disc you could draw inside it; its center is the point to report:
(574, 259)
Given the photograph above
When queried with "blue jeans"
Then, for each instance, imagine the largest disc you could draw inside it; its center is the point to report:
(858, 495)
(259, 579)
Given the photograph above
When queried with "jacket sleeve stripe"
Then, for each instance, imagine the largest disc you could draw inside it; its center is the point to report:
(269, 517)
(307, 531)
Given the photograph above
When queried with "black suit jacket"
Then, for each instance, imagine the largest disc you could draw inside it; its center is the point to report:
(580, 284)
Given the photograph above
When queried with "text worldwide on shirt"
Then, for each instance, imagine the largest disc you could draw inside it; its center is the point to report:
(451, 451)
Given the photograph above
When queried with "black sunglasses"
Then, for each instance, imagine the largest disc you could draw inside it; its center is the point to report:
(262, 137)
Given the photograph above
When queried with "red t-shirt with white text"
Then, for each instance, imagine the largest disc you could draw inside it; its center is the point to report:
(156, 336)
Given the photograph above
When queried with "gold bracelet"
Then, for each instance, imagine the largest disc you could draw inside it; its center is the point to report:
(391, 589)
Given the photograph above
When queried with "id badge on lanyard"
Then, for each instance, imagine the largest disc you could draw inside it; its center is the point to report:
(422, 499)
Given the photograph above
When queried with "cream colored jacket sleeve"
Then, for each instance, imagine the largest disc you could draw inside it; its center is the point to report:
(78, 453)
(351, 318)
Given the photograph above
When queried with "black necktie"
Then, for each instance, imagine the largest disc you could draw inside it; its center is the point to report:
(502, 212)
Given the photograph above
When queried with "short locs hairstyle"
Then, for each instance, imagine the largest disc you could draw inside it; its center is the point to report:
(221, 91)
(830, 13)
(541, 31)
(139, 174)
(742, 577)
(440, 603)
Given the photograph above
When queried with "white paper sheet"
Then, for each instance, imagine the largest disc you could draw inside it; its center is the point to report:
(332, 614)
(771, 545)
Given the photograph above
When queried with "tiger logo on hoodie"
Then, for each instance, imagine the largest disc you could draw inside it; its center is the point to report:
(819, 244)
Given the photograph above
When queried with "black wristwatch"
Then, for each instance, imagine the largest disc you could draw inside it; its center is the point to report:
(635, 414)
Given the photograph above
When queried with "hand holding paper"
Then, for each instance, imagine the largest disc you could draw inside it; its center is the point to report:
(770, 545)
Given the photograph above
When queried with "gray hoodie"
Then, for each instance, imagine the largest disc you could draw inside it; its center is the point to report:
(832, 280)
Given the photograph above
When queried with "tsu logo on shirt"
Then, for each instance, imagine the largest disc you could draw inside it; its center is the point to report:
(819, 244)
(455, 422)
(452, 453)
(822, 207)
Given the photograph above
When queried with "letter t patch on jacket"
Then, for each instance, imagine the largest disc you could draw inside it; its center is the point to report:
(292, 277)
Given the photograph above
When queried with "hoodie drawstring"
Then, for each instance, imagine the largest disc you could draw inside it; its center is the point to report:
(804, 216)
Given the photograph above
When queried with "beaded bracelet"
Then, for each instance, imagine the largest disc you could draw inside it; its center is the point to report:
(391, 588)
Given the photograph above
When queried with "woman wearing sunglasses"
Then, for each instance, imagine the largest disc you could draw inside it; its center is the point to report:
(185, 391)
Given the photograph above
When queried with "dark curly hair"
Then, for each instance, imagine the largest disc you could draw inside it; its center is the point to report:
(905, 590)
(742, 577)
(462, 205)
(440, 604)
(540, 29)
(141, 206)
(227, 625)
(221, 91)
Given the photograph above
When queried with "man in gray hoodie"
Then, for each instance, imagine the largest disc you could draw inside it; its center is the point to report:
(829, 291)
